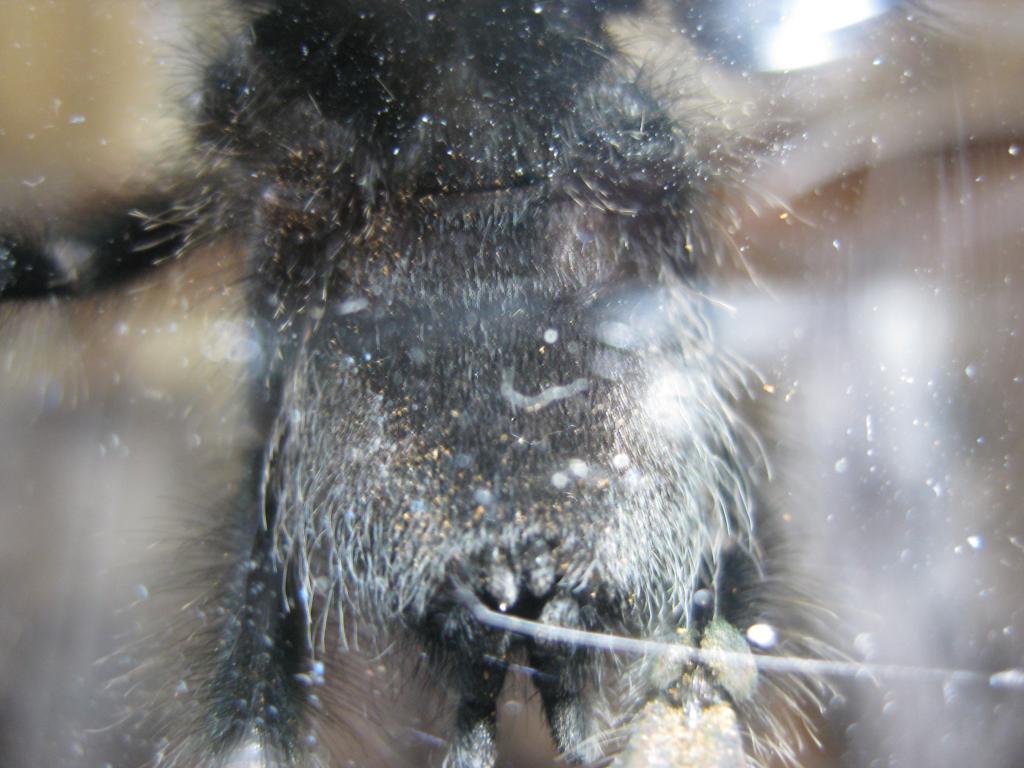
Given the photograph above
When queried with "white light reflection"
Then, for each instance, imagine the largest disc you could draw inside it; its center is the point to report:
(763, 636)
(248, 755)
(665, 398)
(806, 36)
(674, 402)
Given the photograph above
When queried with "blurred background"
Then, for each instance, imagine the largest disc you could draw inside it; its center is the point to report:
(878, 290)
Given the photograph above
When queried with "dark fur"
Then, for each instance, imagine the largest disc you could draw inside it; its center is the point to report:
(423, 191)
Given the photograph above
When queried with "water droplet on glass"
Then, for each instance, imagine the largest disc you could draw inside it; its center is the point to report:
(579, 467)
(352, 305)
(762, 635)
(865, 644)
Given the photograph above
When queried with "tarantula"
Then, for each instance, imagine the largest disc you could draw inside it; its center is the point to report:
(492, 429)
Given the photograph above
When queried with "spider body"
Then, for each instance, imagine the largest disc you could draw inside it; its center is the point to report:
(475, 243)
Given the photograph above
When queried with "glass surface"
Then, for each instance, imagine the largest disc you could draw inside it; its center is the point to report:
(874, 282)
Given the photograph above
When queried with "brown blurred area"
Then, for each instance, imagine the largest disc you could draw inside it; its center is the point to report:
(87, 100)
(119, 413)
(886, 245)
(889, 326)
